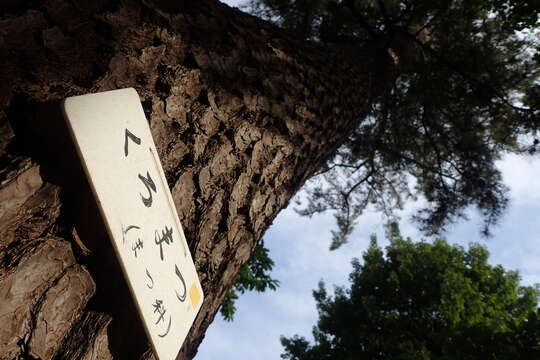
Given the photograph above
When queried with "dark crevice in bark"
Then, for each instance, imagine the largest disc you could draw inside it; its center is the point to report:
(106, 6)
(10, 163)
(17, 113)
(162, 87)
(189, 61)
(36, 307)
(184, 164)
(147, 108)
(203, 98)
(15, 252)
(88, 330)
(17, 8)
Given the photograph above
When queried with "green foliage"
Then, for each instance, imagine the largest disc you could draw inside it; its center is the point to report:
(424, 301)
(518, 14)
(253, 276)
(463, 91)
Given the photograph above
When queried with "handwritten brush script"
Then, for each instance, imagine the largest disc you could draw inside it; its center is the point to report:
(119, 156)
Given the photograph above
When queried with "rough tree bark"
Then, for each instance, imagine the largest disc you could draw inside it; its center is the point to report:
(241, 116)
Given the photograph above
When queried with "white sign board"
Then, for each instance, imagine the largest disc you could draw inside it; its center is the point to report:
(115, 145)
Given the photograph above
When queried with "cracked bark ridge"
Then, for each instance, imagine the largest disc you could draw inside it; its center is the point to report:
(91, 330)
(241, 116)
(59, 310)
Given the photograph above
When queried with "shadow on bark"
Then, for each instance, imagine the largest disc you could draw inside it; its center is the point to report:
(42, 134)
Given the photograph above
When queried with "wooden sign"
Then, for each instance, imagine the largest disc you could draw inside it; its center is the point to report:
(115, 146)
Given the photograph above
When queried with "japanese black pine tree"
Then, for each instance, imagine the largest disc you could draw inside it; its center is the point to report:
(243, 113)
(463, 91)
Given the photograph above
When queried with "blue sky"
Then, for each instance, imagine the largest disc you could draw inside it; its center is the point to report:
(299, 247)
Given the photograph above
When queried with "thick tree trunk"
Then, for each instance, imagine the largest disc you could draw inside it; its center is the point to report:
(240, 114)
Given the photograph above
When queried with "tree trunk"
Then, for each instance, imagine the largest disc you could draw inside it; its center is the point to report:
(241, 116)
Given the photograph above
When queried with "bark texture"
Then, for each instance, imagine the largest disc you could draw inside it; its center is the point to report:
(241, 116)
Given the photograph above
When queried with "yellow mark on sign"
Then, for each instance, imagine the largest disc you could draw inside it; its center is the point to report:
(194, 295)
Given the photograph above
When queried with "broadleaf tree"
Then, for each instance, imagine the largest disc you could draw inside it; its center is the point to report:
(420, 300)
(243, 112)
(253, 276)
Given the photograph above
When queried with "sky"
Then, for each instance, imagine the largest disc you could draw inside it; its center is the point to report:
(299, 248)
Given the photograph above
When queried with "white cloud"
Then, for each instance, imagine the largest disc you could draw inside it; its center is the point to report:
(299, 246)
(521, 174)
(235, 3)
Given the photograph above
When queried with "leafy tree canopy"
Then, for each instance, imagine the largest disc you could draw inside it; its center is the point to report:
(424, 301)
(464, 90)
(253, 276)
